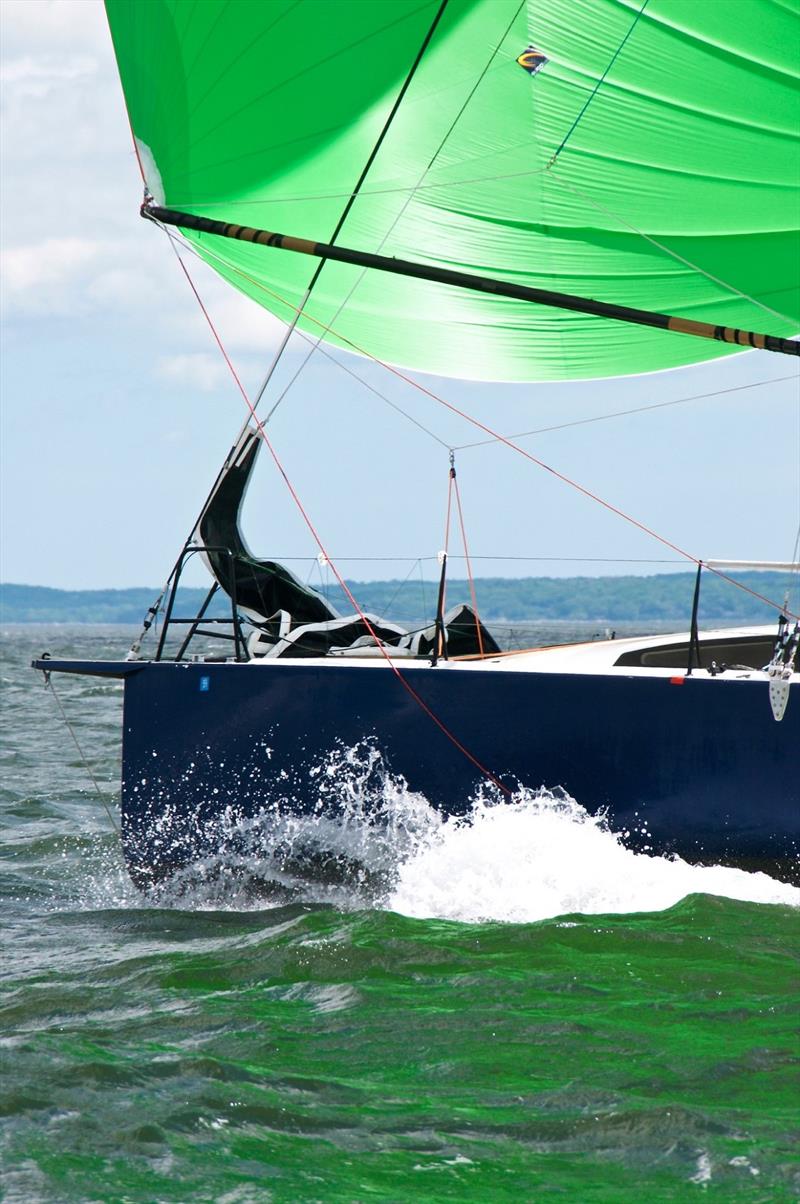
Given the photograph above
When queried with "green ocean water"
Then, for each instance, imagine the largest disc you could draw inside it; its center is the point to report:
(527, 1011)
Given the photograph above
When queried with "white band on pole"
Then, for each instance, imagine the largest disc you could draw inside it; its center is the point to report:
(777, 566)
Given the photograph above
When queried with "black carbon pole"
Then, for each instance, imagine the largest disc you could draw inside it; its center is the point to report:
(482, 284)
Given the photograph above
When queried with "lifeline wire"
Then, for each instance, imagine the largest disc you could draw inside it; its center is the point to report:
(86, 765)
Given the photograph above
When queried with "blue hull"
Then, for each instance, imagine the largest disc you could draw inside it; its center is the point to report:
(702, 767)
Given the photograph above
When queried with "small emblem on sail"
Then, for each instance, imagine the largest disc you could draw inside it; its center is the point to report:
(532, 60)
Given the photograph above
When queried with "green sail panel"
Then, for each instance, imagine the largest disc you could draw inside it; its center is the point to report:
(675, 188)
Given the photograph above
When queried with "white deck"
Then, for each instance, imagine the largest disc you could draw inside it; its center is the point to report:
(595, 657)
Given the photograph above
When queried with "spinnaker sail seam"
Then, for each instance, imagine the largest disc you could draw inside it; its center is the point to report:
(308, 70)
(340, 224)
(320, 348)
(597, 86)
(500, 288)
(668, 251)
(408, 199)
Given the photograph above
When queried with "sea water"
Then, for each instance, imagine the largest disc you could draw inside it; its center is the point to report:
(509, 1007)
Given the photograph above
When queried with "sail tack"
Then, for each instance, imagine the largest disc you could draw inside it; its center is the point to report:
(676, 191)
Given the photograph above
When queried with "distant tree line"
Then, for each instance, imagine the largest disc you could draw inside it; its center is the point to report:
(665, 596)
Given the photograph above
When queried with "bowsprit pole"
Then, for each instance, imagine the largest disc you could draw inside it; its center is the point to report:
(481, 284)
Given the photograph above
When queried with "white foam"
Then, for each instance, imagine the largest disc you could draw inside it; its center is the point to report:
(377, 844)
(541, 856)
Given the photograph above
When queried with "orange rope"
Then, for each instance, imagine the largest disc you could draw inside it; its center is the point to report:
(470, 578)
(441, 635)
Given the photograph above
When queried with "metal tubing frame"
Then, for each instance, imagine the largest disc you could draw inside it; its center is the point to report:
(239, 641)
(694, 634)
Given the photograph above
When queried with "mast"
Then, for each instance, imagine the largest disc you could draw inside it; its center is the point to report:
(483, 284)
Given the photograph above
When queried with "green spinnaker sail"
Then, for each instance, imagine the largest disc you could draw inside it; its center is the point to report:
(676, 190)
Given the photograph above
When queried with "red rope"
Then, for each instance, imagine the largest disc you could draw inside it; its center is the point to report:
(127, 111)
(342, 583)
(451, 476)
(495, 435)
(440, 648)
(470, 578)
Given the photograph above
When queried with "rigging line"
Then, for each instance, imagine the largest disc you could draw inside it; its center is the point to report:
(470, 578)
(342, 219)
(381, 137)
(342, 583)
(661, 405)
(284, 343)
(82, 754)
(221, 472)
(388, 608)
(731, 288)
(468, 280)
(504, 440)
(520, 450)
(314, 197)
(187, 246)
(519, 434)
(598, 85)
(346, 212)
(409, 198)
(584, 490)
(233, 116)
(440, 634)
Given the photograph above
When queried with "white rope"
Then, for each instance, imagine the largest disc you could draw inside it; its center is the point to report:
(660, 405)
(86, 765)
(731, 288)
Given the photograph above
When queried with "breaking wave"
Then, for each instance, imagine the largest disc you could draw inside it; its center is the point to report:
(372, 843)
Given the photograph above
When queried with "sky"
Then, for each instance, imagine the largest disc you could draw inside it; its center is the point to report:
(117, 408)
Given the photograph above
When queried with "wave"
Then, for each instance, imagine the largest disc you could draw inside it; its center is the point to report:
(372, 843)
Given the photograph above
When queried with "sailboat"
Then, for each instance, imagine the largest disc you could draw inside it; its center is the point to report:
(491, 190)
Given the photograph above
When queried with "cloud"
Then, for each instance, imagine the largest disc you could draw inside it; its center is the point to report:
(54, 24)
(36, 77)
(43, 277)
(74, 245)
(200, 370)
(244, 325)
